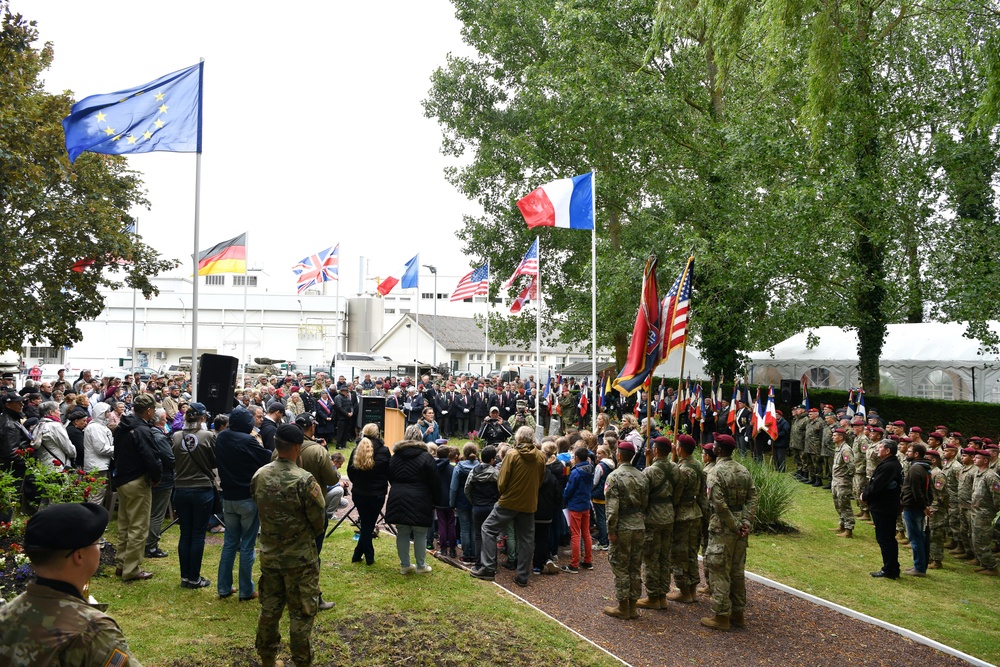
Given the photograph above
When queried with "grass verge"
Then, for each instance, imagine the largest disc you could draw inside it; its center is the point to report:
(947, 606)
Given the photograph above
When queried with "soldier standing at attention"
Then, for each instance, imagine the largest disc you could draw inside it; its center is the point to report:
(658, 541)
(842, 479)
(733, 499)
(937, 518)
(860, 449)
(691, 510)
(52, 623)
(797, 441)
(814, 441)
(952, 467)
(626, 494)
(292, 511)
(985, 504)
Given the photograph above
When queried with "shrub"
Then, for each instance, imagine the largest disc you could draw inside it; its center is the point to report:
(774, 496)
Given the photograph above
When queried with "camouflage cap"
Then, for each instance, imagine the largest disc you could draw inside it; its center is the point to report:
(143, 402)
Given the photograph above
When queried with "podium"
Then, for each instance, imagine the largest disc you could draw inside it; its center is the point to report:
(395, 426)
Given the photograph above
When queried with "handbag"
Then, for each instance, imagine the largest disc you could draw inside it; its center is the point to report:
(216, 494)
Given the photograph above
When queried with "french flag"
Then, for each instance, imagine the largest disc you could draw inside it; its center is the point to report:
(566, 203)
(408, 280)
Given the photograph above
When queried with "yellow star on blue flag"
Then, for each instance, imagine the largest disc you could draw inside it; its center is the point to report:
(163, 115)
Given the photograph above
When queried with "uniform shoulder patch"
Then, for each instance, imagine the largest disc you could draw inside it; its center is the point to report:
(996, 486)
(847, 457)
(118, 658)
(939, 483)
(314, 490)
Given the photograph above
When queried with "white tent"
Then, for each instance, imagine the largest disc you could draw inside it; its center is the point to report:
(693, 365)
(928, 360)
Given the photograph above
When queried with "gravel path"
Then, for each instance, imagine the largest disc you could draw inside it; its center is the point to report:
(781, 629)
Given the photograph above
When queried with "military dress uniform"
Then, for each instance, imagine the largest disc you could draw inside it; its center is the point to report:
(842, 487)
(292, 512)
(626, 495)
(937, 523)
(658, 540)
(733, 499)
(688, 517)
(984, 507)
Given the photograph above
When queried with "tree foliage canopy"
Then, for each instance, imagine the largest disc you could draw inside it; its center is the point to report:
(815, 155)
(54, 213)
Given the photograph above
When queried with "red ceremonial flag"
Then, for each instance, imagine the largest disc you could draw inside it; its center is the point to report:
(644, 350)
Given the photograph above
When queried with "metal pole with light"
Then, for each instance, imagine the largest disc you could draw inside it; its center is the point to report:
(434, 272)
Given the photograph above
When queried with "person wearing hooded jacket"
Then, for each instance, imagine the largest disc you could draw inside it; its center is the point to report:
(98, 449)
(238, 456)
(482, 493)
(414, 491)
(458, 500)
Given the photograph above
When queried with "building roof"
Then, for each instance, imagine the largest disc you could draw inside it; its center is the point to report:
(462, 334)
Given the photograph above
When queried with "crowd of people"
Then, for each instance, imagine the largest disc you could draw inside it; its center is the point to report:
(511, 496)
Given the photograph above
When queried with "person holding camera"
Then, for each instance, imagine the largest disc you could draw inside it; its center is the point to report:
(494, 430)
(521, 417)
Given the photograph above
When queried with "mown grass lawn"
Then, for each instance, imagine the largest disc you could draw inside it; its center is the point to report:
(950, 605)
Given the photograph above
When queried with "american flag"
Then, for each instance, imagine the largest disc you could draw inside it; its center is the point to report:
(318, 268)
(675, 310)
(528, 265)
(472, 283)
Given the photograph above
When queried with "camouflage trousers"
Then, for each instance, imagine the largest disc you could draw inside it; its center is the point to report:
(298, 589)
(684, 552)
(827, 467)
(656, 551)
(859, 485)
(955, 523)
(625, 558)
(799, 458)
(982, 538)
(813, 465)
(938, 527)
(725, 561)
(965, 528)
(842, 497)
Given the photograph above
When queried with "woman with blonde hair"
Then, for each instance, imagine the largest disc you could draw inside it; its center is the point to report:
(368, 470)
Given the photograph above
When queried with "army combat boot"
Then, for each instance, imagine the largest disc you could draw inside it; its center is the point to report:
(650, 602)
(848, 533)
(683, 594)
(736, 619)
(621, 611)
(632, 611)
(717, 622)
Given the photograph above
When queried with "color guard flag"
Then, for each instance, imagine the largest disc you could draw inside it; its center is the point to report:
(529, 293)
(805, 392)
(862, 411)
(226, 257)
(473, 283)
(675, 311)
(409, 280)
(162, 115)
(770, 415)
(644, 349)
(731, 417)
(318, 268)
(527, 267)
(566, 203)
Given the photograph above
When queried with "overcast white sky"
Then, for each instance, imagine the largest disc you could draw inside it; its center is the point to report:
(313, 129)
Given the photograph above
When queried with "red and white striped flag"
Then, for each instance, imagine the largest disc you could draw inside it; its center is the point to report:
(529, 293)
(675, 310)
(472, 284)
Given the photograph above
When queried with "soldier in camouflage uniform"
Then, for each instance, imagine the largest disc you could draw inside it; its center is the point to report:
(626, 493)
(733, 499)
(52, 623)
(902, 448)
(872, 460)
(952, 468)
(827, 448)
(842, 483)
(937, 521)
(659, 519)
(709, 457)
(292, 511)
(966, 476)
(860, 450)
(797, 442)
(521, 418)
(814, 442)
(690, 512)
(985, 505)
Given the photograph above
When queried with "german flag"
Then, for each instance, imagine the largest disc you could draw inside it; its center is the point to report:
(226, 257)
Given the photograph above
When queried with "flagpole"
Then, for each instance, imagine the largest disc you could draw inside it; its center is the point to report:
(486, 354)
(135, 233)
(246, 279)
(336, 306)
(538, 324)
(593, 290)
(194, 291)
(680, 381)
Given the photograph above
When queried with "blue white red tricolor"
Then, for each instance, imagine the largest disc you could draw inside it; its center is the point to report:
(318, 268)
(410, 277)
(566, 203)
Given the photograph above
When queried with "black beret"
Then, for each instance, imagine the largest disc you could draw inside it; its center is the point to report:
(66, 526)
(290, 433)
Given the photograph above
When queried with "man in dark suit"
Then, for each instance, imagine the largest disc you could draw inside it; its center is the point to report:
(444, 406)
(481, 407)
(463, 409)
(508, 402)
(744, 421)
(343, 408)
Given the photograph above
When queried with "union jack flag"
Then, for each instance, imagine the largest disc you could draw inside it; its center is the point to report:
(318, 268)
(528, 265)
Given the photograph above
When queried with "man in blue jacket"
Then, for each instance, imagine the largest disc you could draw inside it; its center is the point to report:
(577, 500)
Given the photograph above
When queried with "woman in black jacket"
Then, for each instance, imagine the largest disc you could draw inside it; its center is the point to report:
(414, 491)
(368, 470)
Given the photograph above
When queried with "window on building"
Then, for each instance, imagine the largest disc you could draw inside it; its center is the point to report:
(472, 356)
(427, 295)
(390, 311)
(404, 311)
(479, 357)
(443, 295)
(936, 384)
(469, 300)
(251, 281)
(41, 352)
(821, 378)
(215, 280)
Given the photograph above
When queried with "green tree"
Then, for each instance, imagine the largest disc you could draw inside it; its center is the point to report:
(54, 213)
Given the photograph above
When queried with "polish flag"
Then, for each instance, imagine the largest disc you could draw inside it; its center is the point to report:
(566, 203)
(407, 281)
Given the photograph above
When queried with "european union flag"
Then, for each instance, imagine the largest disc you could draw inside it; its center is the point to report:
(163, 115)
